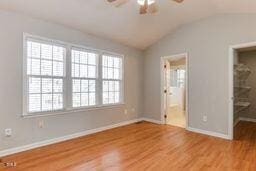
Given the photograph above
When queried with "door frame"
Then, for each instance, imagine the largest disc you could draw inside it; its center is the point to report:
(232, 50)
(186, 88)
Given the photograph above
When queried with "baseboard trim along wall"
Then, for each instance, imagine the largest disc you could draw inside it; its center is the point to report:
(210, 133)
(72, 136)
(64, 138)
(152, 120)
(92, 131)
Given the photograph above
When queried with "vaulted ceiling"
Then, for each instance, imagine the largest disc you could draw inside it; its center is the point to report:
(124, 24)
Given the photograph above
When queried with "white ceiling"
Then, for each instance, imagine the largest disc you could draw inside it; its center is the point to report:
(124, 24)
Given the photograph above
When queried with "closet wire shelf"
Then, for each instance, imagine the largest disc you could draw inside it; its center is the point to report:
(241, 90)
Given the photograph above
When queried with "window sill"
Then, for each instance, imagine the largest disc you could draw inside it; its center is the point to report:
(72, 110)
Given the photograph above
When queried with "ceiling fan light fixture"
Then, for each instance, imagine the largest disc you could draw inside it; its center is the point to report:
(146, 6)
(142, 2)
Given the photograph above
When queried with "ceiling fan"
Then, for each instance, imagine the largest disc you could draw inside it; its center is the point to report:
(146, 6)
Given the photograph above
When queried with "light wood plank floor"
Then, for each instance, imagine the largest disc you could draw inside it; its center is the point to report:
(145, 146)
(176, 117)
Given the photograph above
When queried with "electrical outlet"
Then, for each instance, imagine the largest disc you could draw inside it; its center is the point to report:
(41, 124)
(126, 111)
(8, 132)
(205, 118)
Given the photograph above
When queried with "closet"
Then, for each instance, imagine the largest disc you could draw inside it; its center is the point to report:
(244, 88)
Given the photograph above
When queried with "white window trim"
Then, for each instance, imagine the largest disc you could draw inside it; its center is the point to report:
(97, 79)
(121, 81)
(67, 80)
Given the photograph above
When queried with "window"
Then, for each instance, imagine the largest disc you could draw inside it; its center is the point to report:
(84, 74)
(112, 78)
(177, 77)
(180, 77)
(45, 75)
(63, 77)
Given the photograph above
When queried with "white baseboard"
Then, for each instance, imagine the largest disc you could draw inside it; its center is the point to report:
(247, 119)
(152, 120)
(64, 138)
(92, 131)
(210, 133)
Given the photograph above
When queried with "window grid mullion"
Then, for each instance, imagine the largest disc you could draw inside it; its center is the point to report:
(87, 68)
(30, 60)
(108, 91)
(99, 80)
(41, 98)
(107, 68)
(52, 77)
(88, 93)
(47, 76)
(80, 103)
(45, 59)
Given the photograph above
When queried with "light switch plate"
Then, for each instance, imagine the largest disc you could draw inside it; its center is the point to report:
(205, 118)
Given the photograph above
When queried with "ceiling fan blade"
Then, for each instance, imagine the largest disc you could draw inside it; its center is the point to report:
(111, 1)
(144, 8)
(179, 1)
(153, 8)
(120, 2)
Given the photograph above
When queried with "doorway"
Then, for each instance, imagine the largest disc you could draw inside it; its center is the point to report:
(242, 60)
(243, 91)
(174, 90)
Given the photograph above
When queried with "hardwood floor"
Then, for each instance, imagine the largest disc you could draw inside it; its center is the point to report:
(145, 146)
(176, 116)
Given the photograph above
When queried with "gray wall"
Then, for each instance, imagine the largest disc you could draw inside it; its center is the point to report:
(207, 42)
(249, 58)
(26, 131)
